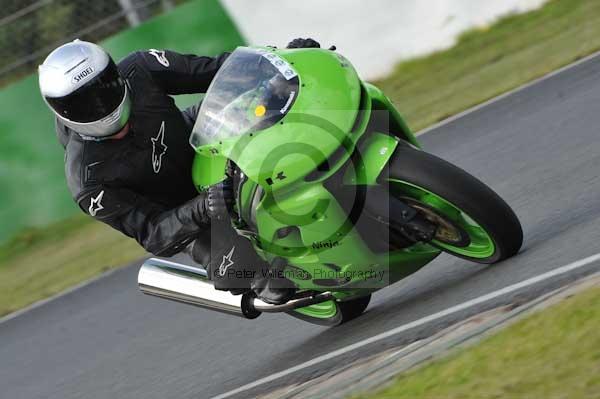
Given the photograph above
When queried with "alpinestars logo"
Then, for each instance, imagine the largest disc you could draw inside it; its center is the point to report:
(158, 148)
(226, 263)
(96, 204)
(160, 57)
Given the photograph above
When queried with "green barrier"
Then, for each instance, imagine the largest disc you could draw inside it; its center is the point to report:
(32, 184)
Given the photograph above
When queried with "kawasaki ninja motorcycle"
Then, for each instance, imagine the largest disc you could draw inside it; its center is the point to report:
(332, 188)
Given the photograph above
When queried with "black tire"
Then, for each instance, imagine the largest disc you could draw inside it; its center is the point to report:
(353, 308)
(464, 191)
(347, 310)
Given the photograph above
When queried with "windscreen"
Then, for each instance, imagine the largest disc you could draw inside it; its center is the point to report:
(253, 90)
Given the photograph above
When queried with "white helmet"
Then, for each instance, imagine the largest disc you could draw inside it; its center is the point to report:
(82, 85)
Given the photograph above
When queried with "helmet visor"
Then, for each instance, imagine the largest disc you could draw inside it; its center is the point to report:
(93, 101)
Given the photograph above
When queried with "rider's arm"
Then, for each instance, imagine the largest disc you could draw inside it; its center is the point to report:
(161, 231)
(181, 73)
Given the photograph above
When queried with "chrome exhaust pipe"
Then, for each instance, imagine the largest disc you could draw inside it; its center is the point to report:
(187, 284)
(190, 285)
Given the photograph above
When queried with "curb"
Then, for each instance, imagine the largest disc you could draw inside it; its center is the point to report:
(378, 371)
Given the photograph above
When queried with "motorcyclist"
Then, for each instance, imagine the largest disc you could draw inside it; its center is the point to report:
(128, 161)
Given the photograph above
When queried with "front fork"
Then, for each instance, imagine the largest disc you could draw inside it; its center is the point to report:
(369, 163)
(399, 217)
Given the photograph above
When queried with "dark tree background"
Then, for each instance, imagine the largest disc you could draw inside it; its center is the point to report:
(30, 29)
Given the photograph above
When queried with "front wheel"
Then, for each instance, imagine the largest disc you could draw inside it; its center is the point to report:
(472, 221)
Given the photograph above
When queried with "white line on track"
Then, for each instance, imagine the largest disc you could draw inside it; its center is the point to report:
(427, 319)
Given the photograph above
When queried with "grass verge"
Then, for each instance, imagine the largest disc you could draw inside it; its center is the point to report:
(39, 263)
(552, 354)
(483, 64)
(489, 61)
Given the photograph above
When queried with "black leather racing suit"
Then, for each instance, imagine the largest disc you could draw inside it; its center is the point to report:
(141, 184)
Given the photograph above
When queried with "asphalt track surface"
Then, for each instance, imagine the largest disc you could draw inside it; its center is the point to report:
(538, 147)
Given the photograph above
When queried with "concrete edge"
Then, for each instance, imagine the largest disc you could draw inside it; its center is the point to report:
(378, 371)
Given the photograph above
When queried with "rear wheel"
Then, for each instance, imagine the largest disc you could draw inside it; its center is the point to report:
(332, 313)
(472, 221)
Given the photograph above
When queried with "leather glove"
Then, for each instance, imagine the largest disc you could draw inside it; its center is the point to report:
(220, 200)
(230, 259)
(303, 43)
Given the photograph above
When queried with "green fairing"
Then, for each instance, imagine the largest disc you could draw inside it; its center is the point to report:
(375, 152)
(330, 121)
(207, 171)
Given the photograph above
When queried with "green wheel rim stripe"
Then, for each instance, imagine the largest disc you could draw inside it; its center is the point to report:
(481, 246)
(324, 310)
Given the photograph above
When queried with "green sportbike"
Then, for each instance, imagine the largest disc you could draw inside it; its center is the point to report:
(334, 188)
